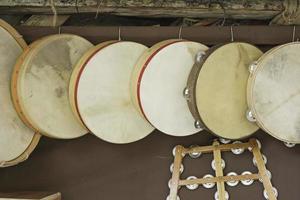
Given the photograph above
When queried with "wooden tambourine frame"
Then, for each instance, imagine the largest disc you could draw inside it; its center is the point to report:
(35, 140)
(220, 179)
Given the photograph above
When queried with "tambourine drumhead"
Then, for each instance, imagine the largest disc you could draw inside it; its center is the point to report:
(274, 92)
(101, 92)
(74, 76)
(160, 86)
(138, 69)
(220, 89)
(41, 81)
(17, 141)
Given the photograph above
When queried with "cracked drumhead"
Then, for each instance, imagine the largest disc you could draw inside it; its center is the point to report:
(274, 92)
(41, 81)
(17, 140)
(218, 89)
(158, 84)
(100, 92)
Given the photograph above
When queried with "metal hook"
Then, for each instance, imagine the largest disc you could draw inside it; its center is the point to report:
(179, 32)
(54, 11)
(59, 30)
(294, 34)
(119, 38)
(98, 9)
(231, 33)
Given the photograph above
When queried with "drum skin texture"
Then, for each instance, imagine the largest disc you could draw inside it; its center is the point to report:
(274, 92)
(220, 90)
(100, 92)
(41, 81)
(159, 80)
(17, 140)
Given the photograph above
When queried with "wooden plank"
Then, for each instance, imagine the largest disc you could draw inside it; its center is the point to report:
(30, 196)
(262, 170)
(246, 9)
(46, 20)
(222, 147)
(220, 179)
(176, 172)
(212, 35)
(219, 171)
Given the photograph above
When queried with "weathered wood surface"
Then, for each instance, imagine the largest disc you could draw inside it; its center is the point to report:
(238, 9)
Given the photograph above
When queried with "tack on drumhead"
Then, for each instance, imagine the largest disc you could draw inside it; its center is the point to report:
(16, 139)
(274, 92)
(41, 80)
(162, 76)
(100, 91)
(220, 89)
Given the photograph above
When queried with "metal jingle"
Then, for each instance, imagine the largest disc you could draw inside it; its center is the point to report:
(248, 181)
(250, 117)
(258, 144)
(217, 195)
(264, 159)
(252, 67)
(192, 186)
(177, 198)
(208, 185)
(213, 164)
(289, 145)
(199, 56)
(186, 93)
(239, 150)
(224, 141)
(233, 182)
(198, 124)
(194, 154)
(274, 190)
(174, 152)
(268, 174)
(180, 170)
(170, 184)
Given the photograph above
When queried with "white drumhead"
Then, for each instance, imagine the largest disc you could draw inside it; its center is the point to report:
(102, 93)
(42, 81)
(274, 92)
(161, 83)
(16, 138)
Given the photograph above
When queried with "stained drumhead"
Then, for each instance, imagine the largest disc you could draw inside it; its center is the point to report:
(161, 83)
(16, 139)
(41, 80)
(101, 92)
(220, 90)
(273, 92)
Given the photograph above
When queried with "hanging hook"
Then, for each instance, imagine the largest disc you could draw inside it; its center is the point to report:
(54, 11)
(98, 9)
(294, 34)
(59, 30)
(119, 38)
(180, 32)
(231, 33)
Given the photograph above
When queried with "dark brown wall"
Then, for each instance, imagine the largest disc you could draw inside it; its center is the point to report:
(89, 168)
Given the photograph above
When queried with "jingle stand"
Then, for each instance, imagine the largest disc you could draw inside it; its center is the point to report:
(219, 178)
